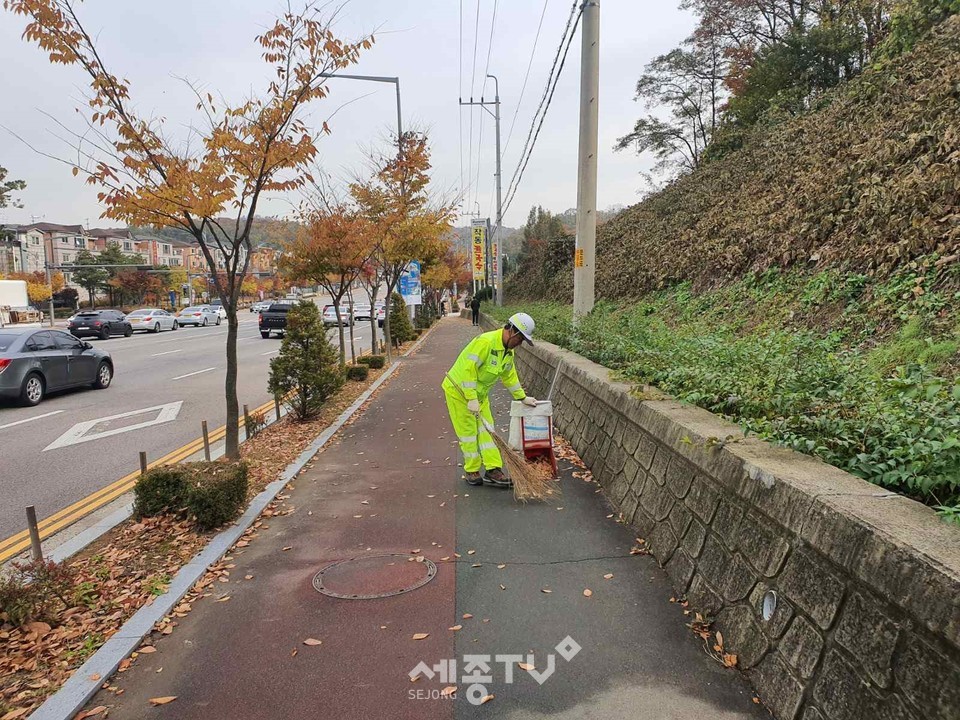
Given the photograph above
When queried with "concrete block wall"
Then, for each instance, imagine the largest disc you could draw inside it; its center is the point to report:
(866, 621)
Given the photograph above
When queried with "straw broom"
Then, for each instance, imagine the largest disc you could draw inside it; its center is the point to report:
(531, 481)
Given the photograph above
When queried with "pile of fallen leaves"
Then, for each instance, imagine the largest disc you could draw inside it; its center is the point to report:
(134, 563)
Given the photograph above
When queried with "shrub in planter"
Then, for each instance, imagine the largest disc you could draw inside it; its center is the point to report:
(307, 370)
(401, 329)
(217, 491)
(160, 489)
(374, 362)
(36, 591)
(357, 372)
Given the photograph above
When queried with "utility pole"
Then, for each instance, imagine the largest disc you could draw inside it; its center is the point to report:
(496, 279)
(584, 260)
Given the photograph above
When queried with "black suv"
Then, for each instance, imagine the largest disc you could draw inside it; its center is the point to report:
(101, 323)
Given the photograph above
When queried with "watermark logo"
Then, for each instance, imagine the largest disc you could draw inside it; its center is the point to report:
(478, 672)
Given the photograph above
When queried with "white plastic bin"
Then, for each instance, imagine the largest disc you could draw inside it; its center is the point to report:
(532, 424)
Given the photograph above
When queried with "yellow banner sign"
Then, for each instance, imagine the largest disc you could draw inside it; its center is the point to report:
(479, 250)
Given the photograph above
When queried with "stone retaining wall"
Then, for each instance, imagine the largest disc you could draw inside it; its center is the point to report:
(866, 622)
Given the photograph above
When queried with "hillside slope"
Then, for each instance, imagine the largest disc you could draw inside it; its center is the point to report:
(866, 181)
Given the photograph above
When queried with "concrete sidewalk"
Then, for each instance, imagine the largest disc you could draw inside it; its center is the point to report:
(392, 486)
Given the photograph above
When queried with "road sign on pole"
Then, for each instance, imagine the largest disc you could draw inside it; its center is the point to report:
(411, 288)
(478, 255)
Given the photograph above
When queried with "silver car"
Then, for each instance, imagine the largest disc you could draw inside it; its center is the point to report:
(152, 320)
(34, 362)
(201, 315)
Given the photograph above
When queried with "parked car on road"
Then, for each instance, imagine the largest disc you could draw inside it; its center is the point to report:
(99, 323)
(152, 320)
(35, 362)
(201, 315)
(260, 306)
(274, 319)
(330, 315)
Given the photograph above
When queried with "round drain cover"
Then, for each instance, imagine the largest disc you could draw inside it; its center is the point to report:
(373, 576)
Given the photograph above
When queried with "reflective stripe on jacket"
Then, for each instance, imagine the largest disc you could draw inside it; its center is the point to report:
(484, 361)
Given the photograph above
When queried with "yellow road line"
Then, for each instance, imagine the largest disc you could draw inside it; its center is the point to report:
(15, 544)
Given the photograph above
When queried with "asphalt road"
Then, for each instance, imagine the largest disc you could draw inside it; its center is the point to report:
(71, 445)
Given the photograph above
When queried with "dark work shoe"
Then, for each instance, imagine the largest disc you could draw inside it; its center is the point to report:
(496, 478)
(473, 478)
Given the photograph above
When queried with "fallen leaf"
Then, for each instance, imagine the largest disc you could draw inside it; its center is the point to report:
(477, 565)
(756, 700)
(89, 713)
(293, 654)
(501, 566)
(421, 636)
(163, 700)
(525, 666)
(502, 586)
(608, 576)
(455, 628)
(415, 552)
(14, 714)
(248, 577)
(445, 558)
(224, 598)
(587, 592)
(364, 502)
(147, 649)
(544, 590)
(719, 639)
(486, 698)
(467, 616)
(729, 660)
(288, 547)
(449, 690)
(312, 642)
(469, 552)
(95, 677)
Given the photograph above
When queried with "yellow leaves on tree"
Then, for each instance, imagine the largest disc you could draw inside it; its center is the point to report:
(38, 290)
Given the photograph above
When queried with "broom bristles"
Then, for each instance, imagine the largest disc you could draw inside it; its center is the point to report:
(531, 481)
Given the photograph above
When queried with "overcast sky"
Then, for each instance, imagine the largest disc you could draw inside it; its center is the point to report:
(212, 42)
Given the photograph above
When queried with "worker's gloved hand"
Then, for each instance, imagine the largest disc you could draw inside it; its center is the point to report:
(531, 401)
(474, 406)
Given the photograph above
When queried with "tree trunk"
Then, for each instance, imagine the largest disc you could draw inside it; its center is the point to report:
(353, 347)
(232, 437)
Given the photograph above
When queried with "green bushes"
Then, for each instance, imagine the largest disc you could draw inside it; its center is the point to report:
(357, 372)
(375, 362)
(217, 492)
(158, 490)
(307, 370)
(753, 353)
(210, 493)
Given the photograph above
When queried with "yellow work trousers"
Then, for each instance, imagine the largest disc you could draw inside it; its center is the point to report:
(475, 442)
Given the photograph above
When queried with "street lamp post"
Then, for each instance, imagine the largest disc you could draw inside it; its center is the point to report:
(380, 79)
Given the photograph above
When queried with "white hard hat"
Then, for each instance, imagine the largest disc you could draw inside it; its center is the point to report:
(524, 323)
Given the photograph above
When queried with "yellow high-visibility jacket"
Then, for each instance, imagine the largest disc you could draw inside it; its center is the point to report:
(484, 361)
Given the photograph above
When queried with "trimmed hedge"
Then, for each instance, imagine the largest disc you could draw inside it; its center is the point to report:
(357, 372)
(162, 489)
(211, 493)
(374, 362)
(218, 490)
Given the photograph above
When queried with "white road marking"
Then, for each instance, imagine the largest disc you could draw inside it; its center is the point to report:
(35, 417)
(270, 353)
(168, 352)
(181, 377)
(78, 433)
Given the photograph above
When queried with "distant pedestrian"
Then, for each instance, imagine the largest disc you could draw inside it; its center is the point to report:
(443, 308)
(475, 309)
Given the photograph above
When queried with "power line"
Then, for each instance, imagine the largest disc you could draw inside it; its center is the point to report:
(548, 97)
(460, 91)
(526, 76)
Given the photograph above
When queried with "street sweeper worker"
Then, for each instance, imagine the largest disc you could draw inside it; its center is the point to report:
(488, 358)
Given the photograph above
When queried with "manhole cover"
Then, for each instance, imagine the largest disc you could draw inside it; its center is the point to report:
(374, 576)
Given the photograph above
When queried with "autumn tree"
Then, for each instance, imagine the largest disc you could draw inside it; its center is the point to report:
(334, 243)
(258, 145)
(408, 220)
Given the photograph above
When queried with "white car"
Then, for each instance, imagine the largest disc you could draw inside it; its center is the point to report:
(330, 315)
(201, 315)
(152, 320)
(361, 312)
(260, 306)
(220, 310)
